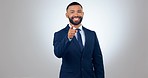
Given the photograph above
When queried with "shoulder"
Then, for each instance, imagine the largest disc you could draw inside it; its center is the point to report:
(92, 34)
(61, 33)
(62, 30)
(86, 30)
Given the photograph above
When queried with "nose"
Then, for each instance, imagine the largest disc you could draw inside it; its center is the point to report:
(76, 14)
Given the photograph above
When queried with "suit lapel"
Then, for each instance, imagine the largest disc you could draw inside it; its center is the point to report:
(86, 38)
(76, 42)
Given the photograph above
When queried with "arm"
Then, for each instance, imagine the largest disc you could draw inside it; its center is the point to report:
(62, 41)
(60, 45)
(98, 60)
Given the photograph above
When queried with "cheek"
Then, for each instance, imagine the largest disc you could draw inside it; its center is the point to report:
(70, 16)
(81, 15)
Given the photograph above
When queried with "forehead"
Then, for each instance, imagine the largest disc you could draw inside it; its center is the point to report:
(75, 7)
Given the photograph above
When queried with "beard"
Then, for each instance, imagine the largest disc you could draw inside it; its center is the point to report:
(71, 20)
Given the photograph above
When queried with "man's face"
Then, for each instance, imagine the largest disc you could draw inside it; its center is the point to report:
(75, 14)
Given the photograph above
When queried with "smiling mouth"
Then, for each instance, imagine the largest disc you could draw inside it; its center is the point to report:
(75, 19)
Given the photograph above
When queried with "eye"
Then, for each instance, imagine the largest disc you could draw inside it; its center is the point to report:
(71, 11)
(79, 11)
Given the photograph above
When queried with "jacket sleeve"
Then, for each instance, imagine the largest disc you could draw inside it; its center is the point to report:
(98, 60)
(60, 44)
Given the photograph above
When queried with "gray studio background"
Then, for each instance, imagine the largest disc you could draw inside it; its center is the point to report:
(27, 28)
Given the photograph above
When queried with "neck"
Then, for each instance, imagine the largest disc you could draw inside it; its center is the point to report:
(76, 26)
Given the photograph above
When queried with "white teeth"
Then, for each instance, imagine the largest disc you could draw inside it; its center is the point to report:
(76, 18)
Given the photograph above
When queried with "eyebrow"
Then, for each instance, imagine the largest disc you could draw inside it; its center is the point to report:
(79, 10)
(74, 10)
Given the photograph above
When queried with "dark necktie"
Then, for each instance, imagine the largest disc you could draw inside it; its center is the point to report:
(79, 38)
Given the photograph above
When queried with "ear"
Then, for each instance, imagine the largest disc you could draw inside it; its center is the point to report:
(83, 13)
(66, 14)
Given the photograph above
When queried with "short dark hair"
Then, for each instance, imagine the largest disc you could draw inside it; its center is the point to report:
(73, 3)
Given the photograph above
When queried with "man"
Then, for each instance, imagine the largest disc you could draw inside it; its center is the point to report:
(78, 47)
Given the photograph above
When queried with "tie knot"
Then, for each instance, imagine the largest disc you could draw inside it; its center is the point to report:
(78, 30)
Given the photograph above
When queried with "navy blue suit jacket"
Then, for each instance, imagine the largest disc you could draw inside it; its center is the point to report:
(76, 63)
